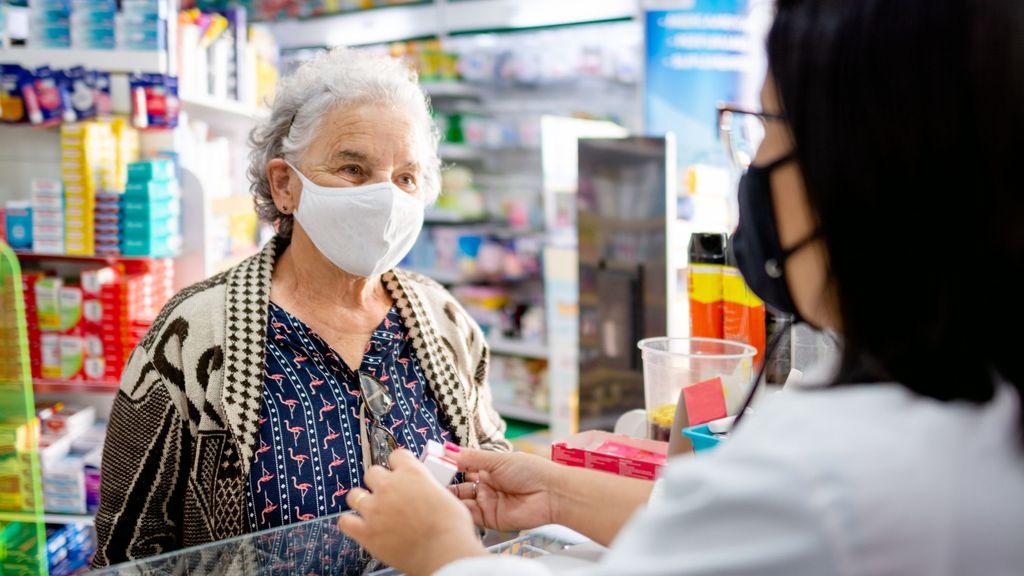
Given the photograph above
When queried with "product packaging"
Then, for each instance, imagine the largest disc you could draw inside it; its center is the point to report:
(744, 314)
(18, 222)
(45, 104)
(154, 100)
(12, 107)
(704, 284)
(614, 453)
(83, 92)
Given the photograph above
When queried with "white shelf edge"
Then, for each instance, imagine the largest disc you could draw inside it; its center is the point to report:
(208, 105)
(397, 23)
(459, 152)
(117, 61)
(47, 517)
(450, 89)
(530, 350)
(523, 413)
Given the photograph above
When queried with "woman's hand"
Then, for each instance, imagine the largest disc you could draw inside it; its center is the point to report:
(407, 520)
(507, 491)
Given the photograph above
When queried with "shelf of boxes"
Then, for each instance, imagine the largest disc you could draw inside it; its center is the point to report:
(59, 386)
(439, 19)
(47, 518)
(25, 255)
(116, 61)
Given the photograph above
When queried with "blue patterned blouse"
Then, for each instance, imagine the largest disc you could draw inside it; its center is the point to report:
(310, 453)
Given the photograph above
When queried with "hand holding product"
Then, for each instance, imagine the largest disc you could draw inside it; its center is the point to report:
(407, 520)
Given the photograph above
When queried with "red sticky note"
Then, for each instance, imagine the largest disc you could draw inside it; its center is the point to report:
(705, 401)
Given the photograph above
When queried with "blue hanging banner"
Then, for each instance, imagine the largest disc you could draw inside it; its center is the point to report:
(698, 55)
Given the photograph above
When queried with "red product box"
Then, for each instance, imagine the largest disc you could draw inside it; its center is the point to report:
(614, 453)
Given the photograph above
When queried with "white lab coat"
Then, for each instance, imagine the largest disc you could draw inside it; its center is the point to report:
(860, 480)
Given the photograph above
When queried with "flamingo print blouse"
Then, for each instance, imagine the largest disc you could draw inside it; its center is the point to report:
(309, 454)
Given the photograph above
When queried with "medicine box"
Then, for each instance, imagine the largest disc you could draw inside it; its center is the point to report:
(614, 453)
(48, 246)
(47, 217)
(18, 221)
(144, 171)
(136, 208)
(47, 293)
(150, 189)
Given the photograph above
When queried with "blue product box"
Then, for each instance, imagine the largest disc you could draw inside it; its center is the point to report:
(93, 19)
(95, 37)
(143, 37)
(146, 170)
(44, 17)
(150, 189)
(153, 246)
(93, 5)
(42, 5)
(51, 35)
(144, 208)
(19, 225)
(141, 228)
(157, 8)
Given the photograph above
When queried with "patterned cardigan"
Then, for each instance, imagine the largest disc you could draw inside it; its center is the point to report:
(184, 425)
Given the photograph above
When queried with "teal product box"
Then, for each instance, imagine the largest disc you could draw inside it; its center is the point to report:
(144, 208)
(89, 19)
(146, 170)
(159, 247)
(146, 227)
(150, 189)
(702, 438)
(18, 217)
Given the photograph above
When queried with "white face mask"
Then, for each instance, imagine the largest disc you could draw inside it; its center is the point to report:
(364, 230)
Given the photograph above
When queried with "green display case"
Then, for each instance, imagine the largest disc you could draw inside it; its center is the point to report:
(22, 532)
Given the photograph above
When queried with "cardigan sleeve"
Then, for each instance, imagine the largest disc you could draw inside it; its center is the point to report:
(490, 427)
(144, 469)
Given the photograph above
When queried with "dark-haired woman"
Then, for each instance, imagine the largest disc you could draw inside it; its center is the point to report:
(885, 203)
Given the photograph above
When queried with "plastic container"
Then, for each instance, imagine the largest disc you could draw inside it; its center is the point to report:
(701, 437)
(671, 364)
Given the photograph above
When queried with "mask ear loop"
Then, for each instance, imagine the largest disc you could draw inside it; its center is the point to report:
(770, 351)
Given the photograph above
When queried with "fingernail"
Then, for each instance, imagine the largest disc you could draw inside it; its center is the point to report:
(452, 447)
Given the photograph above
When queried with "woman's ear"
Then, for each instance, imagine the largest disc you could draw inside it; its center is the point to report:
(285, 185)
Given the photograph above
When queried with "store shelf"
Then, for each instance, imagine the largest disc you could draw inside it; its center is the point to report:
(454, 278)
(47, 518)
(429, 20)
(523, 413)
(118, 61)
(228, 109)
(529, 350)
(460, 152)
(23, 255)
(58, 386)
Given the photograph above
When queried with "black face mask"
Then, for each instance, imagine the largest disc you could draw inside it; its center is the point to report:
(755, 244)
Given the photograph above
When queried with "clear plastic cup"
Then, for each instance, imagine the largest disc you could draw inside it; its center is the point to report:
(671, 364)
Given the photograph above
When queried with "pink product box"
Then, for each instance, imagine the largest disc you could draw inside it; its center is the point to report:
(607, 452)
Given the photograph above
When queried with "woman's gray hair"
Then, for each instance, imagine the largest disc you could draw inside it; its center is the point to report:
(339, 77)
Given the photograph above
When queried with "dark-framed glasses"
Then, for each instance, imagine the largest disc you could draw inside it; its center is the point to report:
(378, 441)
(742, 131)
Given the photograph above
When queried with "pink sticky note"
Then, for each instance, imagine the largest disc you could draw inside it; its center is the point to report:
(705, 401)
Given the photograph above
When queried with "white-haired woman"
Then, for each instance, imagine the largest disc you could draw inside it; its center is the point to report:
(260, 396)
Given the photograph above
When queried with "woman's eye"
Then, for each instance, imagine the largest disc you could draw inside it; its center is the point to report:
(352, 170)
(407, 180)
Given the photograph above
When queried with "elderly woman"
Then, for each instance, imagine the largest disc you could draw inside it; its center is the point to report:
(261, 396)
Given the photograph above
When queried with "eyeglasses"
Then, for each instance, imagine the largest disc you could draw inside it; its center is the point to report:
(378, 441)
(742, 131)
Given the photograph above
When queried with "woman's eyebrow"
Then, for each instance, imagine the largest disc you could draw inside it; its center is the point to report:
(351, 155)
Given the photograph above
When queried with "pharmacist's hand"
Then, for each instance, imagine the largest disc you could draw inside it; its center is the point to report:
(507, 491)
(409, 521)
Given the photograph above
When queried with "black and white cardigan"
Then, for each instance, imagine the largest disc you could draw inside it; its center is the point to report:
(184, 425)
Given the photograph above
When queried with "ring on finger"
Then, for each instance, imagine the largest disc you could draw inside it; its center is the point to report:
(359, 498)
(475, 486)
